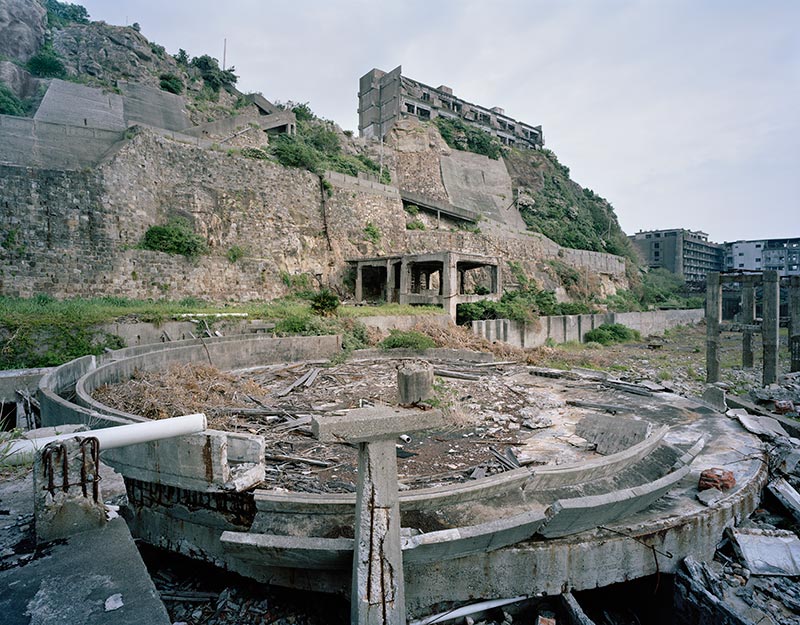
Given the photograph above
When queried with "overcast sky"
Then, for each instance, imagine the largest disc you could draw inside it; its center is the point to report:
(682, 113)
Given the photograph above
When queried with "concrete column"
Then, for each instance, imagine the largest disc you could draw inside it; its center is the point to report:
(359, 282)
(748, 318)
(389, 283)
(794, 322)
(378, 592)
(414, 382)
(713, 315)
(769, 329)
(404, 283)
(450, 285)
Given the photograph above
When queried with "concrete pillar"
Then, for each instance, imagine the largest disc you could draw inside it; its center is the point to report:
(748, 318)
(414, 382)
(404, 283)
(450, 284)
(66, 497)
(378, 591)
(359, 282)
(713, 315)
(769, 329)
(794, 322)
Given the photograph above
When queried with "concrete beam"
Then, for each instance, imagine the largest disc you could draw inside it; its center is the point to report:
(373, 424)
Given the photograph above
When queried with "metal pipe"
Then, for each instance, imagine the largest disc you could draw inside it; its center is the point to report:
(21, 450)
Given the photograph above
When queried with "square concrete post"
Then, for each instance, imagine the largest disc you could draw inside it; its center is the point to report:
(713, 316)
(769, 329)
(748, 318)
(378, 591)
(405, 282)
(794, 322)
(359, 282)
(450, 284)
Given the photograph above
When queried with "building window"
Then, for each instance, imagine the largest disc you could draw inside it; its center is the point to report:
(741, 264)
(647, 236)
(741, 253)
(656, 244)
(658, 235)
(409, 107)
(758, 245)
(758, 260)
(426, 96)
(423, 113)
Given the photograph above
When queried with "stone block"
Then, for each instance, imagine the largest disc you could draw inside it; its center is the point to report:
(715, 397)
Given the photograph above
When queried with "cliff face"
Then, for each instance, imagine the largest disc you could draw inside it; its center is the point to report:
(22, 28)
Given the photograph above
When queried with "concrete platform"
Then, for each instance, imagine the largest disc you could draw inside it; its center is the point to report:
(70, 581)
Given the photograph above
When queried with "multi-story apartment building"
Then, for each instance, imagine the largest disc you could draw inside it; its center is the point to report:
(383, 98)
(686, 253)
(781, 255)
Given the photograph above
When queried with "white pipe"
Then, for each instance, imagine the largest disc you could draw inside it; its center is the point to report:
(467, 610)
(21, 450)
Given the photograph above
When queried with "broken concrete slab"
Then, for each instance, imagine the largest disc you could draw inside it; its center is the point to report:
(768, 552)
(71, 581)
(710, 496)
(787, 495)
(762, 426)
(612, 434)
(715, 397)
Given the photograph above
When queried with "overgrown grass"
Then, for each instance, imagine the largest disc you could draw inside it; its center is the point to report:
(43, 332)
(609, 333)
(408, 339)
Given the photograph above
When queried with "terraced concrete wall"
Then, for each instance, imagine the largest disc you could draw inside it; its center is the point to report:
(564, 328)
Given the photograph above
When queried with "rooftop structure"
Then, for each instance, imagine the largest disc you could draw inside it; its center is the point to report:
(686, 253)
(385, 97)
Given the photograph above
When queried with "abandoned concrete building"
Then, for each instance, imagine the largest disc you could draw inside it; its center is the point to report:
(443, 279)
(385, 97)
(686, 253)
(781, 255)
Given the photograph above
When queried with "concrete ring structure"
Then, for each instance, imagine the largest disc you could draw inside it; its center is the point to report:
(536, 531)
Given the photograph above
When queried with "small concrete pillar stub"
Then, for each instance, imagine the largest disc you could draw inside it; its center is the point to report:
(748, 318)
(770, 326)
(794, 323)
(713, 315)
(66, 486)
(414, 382)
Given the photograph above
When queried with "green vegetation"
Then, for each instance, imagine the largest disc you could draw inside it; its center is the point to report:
(523, 305)
(462, 136)
(10, 104)
(411, 209)
(235, 253)
(609, 333)
(658, 288)
(316, 147)
(171, 83)
(46, 63)
(325, 302)
(175, 237)
(564, 211)
(43, 332)
(415, 224)
(59, 14)
(372, 233)
(256, 153)
(410, 339)
(214, 77)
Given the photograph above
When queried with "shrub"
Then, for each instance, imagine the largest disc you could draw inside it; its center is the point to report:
(372, 233)
(411, 209)
(291, 151)
(325, 302)
(59, 14)
(175, 237)
(462, 136)
(415, 224)
(256, 153)
(235, 252)
(10, 104)
(46, 64)
(609, 333)
(410, 339)
(214, 77)
(171, 83)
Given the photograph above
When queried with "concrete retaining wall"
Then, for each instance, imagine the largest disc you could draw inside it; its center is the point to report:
(32, 143)
(563, 328)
